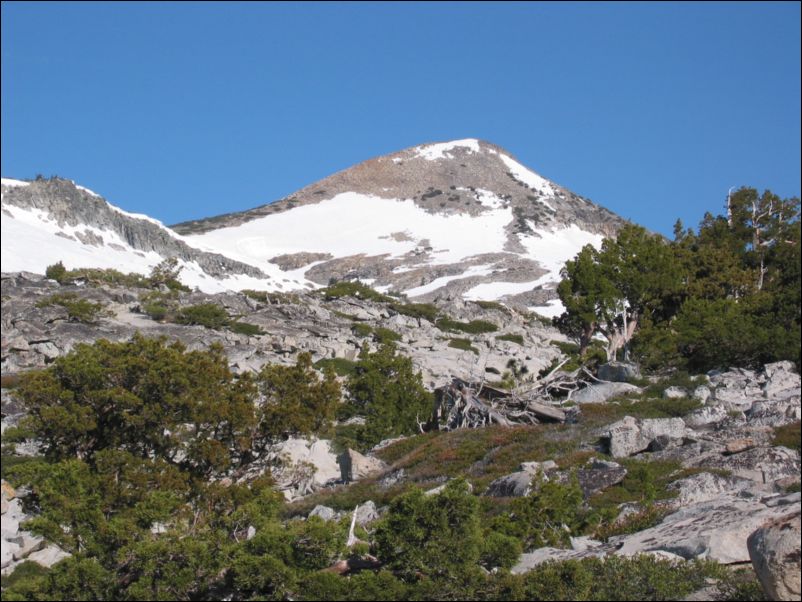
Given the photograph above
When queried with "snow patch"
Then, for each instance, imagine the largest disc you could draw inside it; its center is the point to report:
(86, 190)
(12, 183)
(442, 150)
(530, 178)
(550, 248)
(356, 224)
(552, 309)
(474, 270)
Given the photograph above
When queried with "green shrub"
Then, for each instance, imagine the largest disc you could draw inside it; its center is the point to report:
(78, 309)
(56, 272)
(385, 336)
(209, 315)
(642, 577)
(361, 330)
(644, 483)
(548, 516)
(155, 310)
(340, 365)
(491, 305)
(649, 517)
(245, 328)
(166, 273)
(464, 344)
(353, 289)
(436, 535)
(513, 338)
(387, 391)
(499, 550)
(125, 395)
(425, 311)
(295, 400)
(158, 305)
(472, 327)
(788, 435)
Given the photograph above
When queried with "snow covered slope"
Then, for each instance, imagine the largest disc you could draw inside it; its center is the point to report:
(453, 218)
(449, 219)
(47, 221)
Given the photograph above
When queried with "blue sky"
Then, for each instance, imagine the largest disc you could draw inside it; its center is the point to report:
(188, 110)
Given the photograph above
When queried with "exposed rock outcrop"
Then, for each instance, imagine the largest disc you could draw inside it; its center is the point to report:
(774, 549)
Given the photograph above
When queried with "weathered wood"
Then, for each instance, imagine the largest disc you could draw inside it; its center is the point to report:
(473, 405)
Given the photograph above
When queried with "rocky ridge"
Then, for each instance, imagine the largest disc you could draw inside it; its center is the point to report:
(82, 216)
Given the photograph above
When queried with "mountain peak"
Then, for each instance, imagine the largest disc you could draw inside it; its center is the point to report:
(455, 218)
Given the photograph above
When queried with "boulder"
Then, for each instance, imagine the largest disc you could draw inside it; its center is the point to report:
(366, 513)
(27, 545)
(302, 465)
(781, 380)
(674, 393)
(736, 446)
(706, 415)
(759, 464)
(776, 412)
(354, 466)
(517, 484)
(536, 467)
(630, 435)
(716, 529)
(324, 512)
(774, 550)
(701, 393)
(706, 486)
(7, 551)
(619, 372)
(598, 475)
(604, 392)
(49, 556)
(530, 561)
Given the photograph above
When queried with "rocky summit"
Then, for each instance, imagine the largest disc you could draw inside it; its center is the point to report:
(453, 219)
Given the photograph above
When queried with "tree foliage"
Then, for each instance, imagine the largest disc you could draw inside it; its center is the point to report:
(295, 400)
(728, 294)
(385, 389)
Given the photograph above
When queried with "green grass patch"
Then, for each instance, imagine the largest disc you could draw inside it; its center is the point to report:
(209, 315)
(512, 338)
(354, 289)
(788, 435)
(595, 415)
(10, 460)
(27, 571)
(491, 305)
(647, 518)
(340, 365)
(78, 309)
(645, 482)
(362, 330)
(463, 344)
(472, 327)
(426, 311)
(481, 455)
(276, 298)
(678, 379)
(385, 335)
(250, 330)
